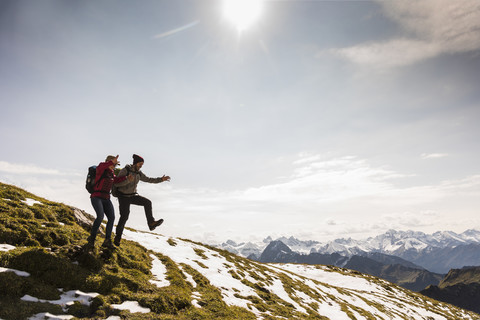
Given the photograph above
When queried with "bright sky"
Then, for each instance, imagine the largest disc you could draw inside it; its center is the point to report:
(317, 119)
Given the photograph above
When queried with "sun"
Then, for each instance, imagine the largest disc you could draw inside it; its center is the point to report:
(242, 13)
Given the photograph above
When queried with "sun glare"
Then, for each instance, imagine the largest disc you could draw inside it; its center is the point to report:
(242, 13)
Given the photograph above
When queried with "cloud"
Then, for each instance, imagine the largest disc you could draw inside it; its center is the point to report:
(324, 180)
(322, 196)
(433, 27)
(434, 155)
(331, 222)
(393, 53)
(25, 169)
(176, 30)
(409, 220)
(316, 184)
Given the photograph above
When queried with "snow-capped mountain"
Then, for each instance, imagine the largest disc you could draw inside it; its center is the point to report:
(244, 249)
(438, 252)
(391, 242)
(250, 249)
(397, 242)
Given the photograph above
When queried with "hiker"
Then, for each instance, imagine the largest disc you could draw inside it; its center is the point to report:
(126, 192)
(100, 199)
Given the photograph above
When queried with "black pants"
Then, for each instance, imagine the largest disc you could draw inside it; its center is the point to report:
(124, 203)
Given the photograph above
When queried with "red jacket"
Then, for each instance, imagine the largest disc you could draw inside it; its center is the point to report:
(104, 180)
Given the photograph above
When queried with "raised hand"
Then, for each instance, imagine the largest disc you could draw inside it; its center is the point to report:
(115, 160)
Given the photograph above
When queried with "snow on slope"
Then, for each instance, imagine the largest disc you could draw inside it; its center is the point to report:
(301, 290)
(184, 252)
(328, 291)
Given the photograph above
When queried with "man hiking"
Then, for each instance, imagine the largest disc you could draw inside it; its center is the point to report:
(126, 192)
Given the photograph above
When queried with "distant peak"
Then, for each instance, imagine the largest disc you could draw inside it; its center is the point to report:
(267, 239)
(232, 243)
(278, 246)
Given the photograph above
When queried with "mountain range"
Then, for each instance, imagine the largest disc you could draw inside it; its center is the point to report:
(438, 252)
(45, 273)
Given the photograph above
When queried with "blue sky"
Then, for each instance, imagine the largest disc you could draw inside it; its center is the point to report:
(321, 119)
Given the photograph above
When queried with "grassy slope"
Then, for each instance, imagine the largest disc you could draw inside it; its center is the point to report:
(460, 287)
(461, 276)
(49, 244)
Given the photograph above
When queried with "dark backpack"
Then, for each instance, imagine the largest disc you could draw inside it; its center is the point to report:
(90, 183)
(115, 192)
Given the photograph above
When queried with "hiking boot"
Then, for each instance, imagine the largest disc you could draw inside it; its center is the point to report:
(108, 244)
(154, 224)
(90, 243)
(116, 241)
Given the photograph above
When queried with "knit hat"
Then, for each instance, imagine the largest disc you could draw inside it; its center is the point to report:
(137, 159)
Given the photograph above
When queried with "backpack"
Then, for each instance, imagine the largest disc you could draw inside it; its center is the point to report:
(115, 192)
(90, 182)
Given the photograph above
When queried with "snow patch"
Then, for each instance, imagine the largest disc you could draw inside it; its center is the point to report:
(131, 306)
(190, 278)
(49, 316)
(320, 273)
(66, 299)
(6, 247)
(159, 272)
(31, 202)
(279, 290)
(196, 296)
(17, 272)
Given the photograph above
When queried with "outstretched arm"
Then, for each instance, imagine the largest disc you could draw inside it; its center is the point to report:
(144, 178)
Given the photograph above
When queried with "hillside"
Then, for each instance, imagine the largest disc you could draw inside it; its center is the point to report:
(460, 287)
(414, 279)
(45, 272)
(390, 268)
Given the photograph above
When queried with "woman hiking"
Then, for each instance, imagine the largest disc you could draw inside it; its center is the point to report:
(100, 198)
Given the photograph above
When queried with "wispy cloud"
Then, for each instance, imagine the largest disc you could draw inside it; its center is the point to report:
(393, 53)
(176, 30)
(322, 180)
(25, 169)
(434, 27)
(434, 155)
